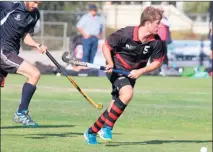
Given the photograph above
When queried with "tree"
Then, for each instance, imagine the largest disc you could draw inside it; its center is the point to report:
(196, 7)
(54, 5)
(71, 11)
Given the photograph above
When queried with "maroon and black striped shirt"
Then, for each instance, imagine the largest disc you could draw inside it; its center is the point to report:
(129, 53)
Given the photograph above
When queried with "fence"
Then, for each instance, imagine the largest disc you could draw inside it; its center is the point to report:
(57, 27)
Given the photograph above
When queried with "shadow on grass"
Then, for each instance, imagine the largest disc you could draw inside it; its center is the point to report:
(113, 144)
(45, 135)
(67, 134)
(60, 135)
(40, 126)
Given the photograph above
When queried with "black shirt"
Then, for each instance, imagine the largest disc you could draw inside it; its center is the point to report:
(6, 5)
(129, 53)
(15, 23)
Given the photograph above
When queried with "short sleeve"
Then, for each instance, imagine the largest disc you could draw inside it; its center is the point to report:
(35, 23)
(158, 53)
(31, 31)
(115, 40)
(81, 22)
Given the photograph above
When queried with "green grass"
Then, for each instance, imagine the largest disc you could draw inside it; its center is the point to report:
(165, 115)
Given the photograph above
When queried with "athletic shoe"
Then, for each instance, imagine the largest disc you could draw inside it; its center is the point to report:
(24, 119)
(106, 133)
(90, 138)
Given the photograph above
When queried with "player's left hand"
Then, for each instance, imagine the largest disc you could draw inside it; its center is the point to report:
(42, 48)
(134, 74)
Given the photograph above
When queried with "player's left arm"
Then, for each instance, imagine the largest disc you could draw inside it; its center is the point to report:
(151, 67)
(28, 40)
(157, 55)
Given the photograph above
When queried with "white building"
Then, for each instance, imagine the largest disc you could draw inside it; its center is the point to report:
(121, 14)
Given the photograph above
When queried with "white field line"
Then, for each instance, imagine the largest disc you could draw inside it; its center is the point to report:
(155, 106)
(144, 91)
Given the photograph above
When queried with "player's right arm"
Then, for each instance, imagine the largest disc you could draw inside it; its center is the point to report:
(111, 43)
(157, 55)
(107, 54)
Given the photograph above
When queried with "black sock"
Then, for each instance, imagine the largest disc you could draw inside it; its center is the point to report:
(99, 123)
(116, 110)
(27, 93)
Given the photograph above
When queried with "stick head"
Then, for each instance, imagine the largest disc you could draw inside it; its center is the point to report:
(65, 58)
(72, 60)
(99, 106)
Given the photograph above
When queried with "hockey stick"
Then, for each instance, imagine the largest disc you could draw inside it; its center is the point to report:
(86, 64)
(98, 106)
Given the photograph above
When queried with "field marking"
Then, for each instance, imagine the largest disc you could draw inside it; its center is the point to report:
(145, 91)
(156, 106)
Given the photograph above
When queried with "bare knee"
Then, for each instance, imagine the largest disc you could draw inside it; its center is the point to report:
(36, 75)
(126, 94)
(29, 71)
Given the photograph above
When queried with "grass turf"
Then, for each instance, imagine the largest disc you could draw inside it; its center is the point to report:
(167, 114)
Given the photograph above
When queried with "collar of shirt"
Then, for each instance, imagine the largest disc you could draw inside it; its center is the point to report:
(90, 15)
(136, 38)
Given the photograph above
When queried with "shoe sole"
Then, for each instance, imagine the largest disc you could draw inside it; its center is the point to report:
(106, 139)
(28, 126)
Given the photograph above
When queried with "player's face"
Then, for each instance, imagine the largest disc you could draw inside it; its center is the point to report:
(31, 5)
(153, 26)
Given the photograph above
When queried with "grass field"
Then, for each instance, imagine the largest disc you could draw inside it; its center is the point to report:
(165, 115)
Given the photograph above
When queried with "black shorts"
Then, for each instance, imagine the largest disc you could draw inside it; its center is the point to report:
(10, 62)
(118, 81)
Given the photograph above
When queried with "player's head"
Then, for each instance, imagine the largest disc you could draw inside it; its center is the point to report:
(93, 9)
(31, 5)
(150, 19)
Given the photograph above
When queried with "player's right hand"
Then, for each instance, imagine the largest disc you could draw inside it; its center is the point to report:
(109, 68)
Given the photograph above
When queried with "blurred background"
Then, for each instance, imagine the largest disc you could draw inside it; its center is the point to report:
(167, 114)
(189, 24)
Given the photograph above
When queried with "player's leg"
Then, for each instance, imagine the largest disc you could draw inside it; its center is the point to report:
(2, 80)
(12, 63)
(124, 87)
(3, 75)
(90, 135)
(33, 75)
